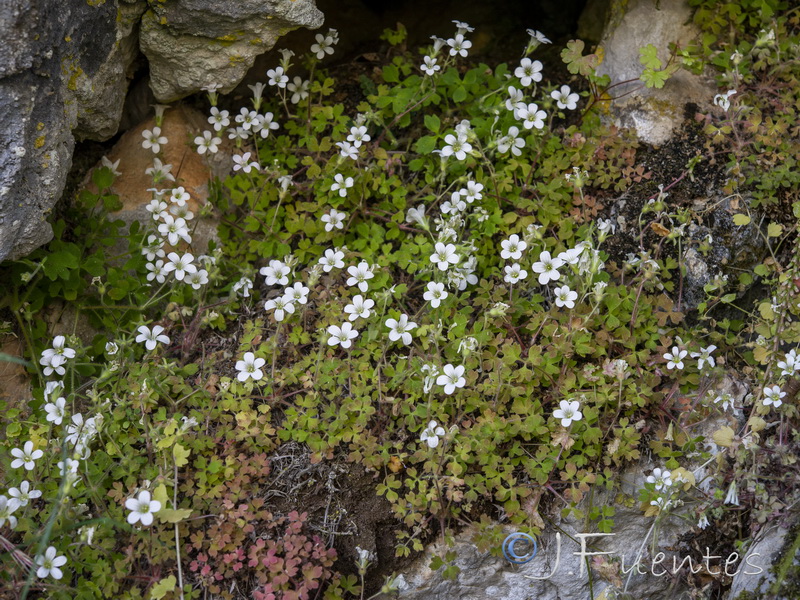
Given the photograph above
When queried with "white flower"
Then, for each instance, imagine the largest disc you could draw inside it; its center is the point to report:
(675, 358)
(264, 124)
(142, 508)
(444, 255)
(49, 564)
(358, 135)
(511, 141)
(245, 284)
(56, 410)
(724, 100)
(276, 273)
(25, 456)
(530, 115)
(435, 294)
(153, 248)
(774, 396)
(417, 215)
(250, 367)
(179, 196)
(538, 36)
(277, 77)
(472, 192)
(181, 265)
(196, 279)
(725, 399)
(333, 259)
(429, 65)
(660, 478)
(174, 229)
(219, 118)
(207, 142)
(59, 348)
(360, 275)
(463, 27)
(565, 297)
(342, 336)
(359, 307)
(151, 338)
(243, 162)
(281, 305)
(565, 98)
(299, 89)
(512, 248)
(324, 45)
(458, 45)
(457, 146)
(789, 365)
(515, 98)
(547, 267)
(7, 508)
(431, 434)
(702, 522)
(514, 273)
(341, 185)
(153, 139)
(451, 378)
(246, 118)
(704, 356)
(104, 160)
(732, 497)
(24, 493)
(348, 150)
(399, 329)
(298, 293)
(568, 412)
(528, 71)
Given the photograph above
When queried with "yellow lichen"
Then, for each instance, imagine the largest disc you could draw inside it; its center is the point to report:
(39, 142)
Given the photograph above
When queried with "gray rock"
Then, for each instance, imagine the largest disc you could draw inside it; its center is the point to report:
(193, 43)
(764, 552)
(655, 114)
(61, 69)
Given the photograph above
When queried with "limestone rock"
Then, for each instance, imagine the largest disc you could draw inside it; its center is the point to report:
(653, 113)
(62, 68)
(193, 43)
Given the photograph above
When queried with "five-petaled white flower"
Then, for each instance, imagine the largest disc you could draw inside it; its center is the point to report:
(250, 367)
(435, 293)
(789, 365)
(153, 139)
(324, 44)
(277, 77)
(359, 307)
(512, 248)
(530, 115)
(281, 305)
(565, 98)
(429, 65)
(459, 45)
(661, 479)
(704, 356)
(568, 411)
(399, 329)
(515, 98)
(151, 338)
(298, 293)
(276, 273)
(341, 184)
(431, 434)
(724, 100)
(451, 378)
(511, 141)
(243, 286)
(24, 493)
(456, 146)
(342, 336)
(675, 358)
(207, 142)
(25, 456)
(444, 255)
(773, 396)
(219, 118)
(514, 273)
(358, 135)
(333, 259)
(360, 276)
(264, 124)
(348, 150)
(528, 71)
(56, 410)
(565, 297)
(182, 265)
(299, 89)
(142, 508)
(334, 220)
(547, 267)
(174, 229)
(49, 564)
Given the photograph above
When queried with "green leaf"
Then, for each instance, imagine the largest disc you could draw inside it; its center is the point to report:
(741, 219)
(181, 455)
(102, 178)
(425, 144)
(459, 94)
(160, 494)
(774, 229)
(59, 264)
(391, 74)
(160, 589)
(169, 515)
(433, 123)
(648, 56)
